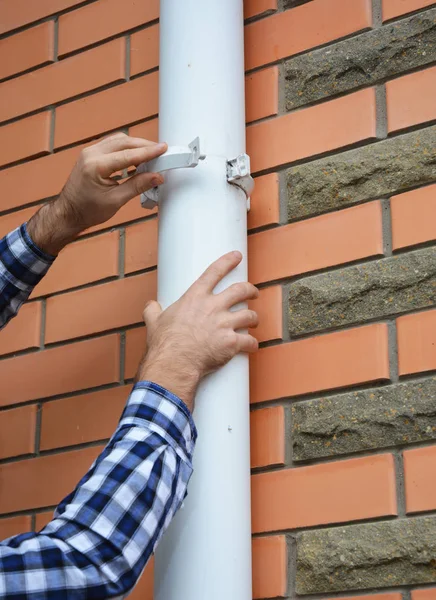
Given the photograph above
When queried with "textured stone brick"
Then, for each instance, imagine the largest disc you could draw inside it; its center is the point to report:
(374, 290)
(382, 417)
(388, 554)
(380, 169)
(363, 60)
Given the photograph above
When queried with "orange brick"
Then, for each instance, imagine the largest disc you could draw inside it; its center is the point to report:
(265, 209)
(99, 308)
(426, 594)
(324, 362)
(269, 307)
(135, 350)
(113, 108)
(253, 8)
(60, 370)
(82, 262)
(413, 217)
(48, 176)
(144, 589)
(410, 99)
(144, 50)
(395, 8)
(141, 246)
(101, 20)
(269, 567)
(42, 519)
(417, 342)
(316, 243)
(148, 130)
(62, 80)
(31, 48)
(14, 526)
(132, 211)
(349, 490)
(262, 94)
(419, 467)
(24, 331)
(303, 27)
(82, 419)
(24, 139)
(43, 481)
(16, 13)
(10, 222)
(312, 131)
(17, 427)
(267, 437)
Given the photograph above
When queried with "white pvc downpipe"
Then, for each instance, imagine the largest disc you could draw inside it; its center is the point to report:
(206, 553)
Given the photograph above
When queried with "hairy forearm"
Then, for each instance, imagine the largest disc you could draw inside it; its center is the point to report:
(51, 228)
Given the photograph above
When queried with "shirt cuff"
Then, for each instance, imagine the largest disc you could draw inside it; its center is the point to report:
(161, 411)
(33, 248)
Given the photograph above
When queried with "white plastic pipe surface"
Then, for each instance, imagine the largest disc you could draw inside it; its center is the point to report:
(206, 553)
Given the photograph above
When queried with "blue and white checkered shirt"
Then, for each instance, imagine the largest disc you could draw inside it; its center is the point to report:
(104, 532)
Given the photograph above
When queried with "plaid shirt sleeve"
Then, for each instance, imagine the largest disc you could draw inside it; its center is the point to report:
(104, 532)
(22, 266)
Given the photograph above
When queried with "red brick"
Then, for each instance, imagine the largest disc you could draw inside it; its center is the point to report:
(302, 28)
(24, 331)
(31, 48)
(410, 99)
(141, 246)
(348, 490)
(43, 481)
(42, 519)
(396, 8)
(267, 437)
(17, 427)
(108, 110)
(16, 13)
(144, 589)
(59, 370)
(63, 80)
(254, 8)
(132, 211)
(417, 342)
(426, 594)
(99, 308)
(101, 20)
(144, 50)
(324, 362)
(269, 567)
(10, 222)
(24, 139)
(269, 307)
(48, 176)
(265, 209)
(14, 526)
(148, 130)
(413, 217)
(419, 468)
(316, 243)
(82, 419)
(80, 263)
(135, 350)
(312, 131)
(262, 94)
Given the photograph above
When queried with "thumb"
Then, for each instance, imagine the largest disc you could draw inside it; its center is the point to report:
(136, 185)
(151, 313)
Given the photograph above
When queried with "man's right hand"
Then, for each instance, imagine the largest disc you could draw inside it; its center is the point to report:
(199, 333)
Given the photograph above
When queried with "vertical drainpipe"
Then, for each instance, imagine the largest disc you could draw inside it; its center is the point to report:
(206, 553)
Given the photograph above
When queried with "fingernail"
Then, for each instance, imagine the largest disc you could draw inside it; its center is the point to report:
(157, 180)
(161, 146)
(237, 254)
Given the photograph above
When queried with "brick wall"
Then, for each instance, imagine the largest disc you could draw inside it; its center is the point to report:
(341, 130)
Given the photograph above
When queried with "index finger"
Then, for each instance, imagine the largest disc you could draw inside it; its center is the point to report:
(117, 161)
(120, 141)
(218, 270)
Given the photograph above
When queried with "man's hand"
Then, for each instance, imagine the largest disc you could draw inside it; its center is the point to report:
(91, 196)
(198, 333)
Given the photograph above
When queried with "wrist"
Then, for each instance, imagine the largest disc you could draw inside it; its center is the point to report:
(50, 228)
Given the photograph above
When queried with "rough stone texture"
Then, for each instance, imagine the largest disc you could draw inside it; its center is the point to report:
(370, 172)
(399, 414)
(364, 60)
(401, 552)
(360, 293)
